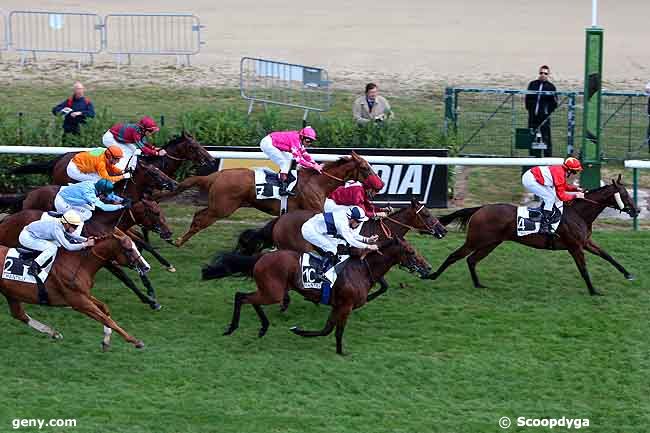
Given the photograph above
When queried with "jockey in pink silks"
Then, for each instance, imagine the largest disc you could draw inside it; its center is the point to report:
(283, 146)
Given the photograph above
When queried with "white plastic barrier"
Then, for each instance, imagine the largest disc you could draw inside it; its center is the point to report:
(635, 165)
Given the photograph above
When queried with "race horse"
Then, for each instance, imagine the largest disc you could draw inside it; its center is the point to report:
(179, 149)
(231, 189)
(70, 282)
(284, 232)
(275, 271)
(488, 226)
(144, 212)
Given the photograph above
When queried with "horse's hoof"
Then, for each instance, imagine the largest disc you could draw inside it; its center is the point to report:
(432, 276)
(171, 269)
(262, 332)
(596, 293)
(630, 277)
(106, 347)
(57, 336)
(178, 243)
(229, 330)
(480, 286)
(139, 344)
(295, 330)
(155, 306)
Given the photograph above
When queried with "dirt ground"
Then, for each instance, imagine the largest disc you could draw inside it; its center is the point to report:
(404, 46)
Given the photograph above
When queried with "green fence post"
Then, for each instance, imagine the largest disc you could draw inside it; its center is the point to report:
(450, 112)
(571, 124)
(635, 194)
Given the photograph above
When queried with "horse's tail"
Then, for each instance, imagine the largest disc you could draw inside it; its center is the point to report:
(42, 167)
(12, 202)
(230, 264)
(462, 216)
(189, 183)
(253, 241)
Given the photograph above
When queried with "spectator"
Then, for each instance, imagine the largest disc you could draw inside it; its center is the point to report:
(540, 107)
(371, 107)
(75, 110)
(647, 92)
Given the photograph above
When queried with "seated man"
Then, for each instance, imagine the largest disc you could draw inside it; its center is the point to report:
(371, 107)
(84, 197)
(47, 236)
(97, 164)
(358, 194)
(328, 230)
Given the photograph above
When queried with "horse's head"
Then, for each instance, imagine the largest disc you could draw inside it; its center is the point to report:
(407, 255)
(150, 176)
(423, 220)
(622, 199)
(148, 214)
(186, 148)
(119, 247)
(352, 167)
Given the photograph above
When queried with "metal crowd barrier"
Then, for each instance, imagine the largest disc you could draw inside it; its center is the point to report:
(286, 84)
(55, 32)
(153, 34)
(4, 33)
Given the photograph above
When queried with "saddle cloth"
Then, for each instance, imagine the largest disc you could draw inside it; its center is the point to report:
(267, 183)
(17, 263)
(529, 219)
(309, 264)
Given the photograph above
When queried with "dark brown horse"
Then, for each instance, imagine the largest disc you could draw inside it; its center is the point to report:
(274, 272)
(70, 282)
(488, 226)
(231, 189)
(143, 212)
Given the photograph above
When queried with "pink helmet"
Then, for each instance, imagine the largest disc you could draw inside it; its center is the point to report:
(308, 132)
(149, 124)
(373, 182)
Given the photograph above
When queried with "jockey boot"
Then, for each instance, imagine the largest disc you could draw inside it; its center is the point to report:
(545, 224)
(34, 269)
(284, 185)
(330, 260)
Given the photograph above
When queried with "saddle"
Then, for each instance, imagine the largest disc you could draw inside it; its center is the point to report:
(310, 264)
(529, 220)
(267, 183)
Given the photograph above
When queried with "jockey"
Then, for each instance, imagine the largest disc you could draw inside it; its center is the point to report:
(84, 197)
(328, 230)
(358, 194)
(550, 184)
(282, 147)
(132, 139)
(48, 235)
(97, 164)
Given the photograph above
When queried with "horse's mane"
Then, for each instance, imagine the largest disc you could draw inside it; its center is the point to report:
(177, 139)
(599, 189)
(339, 162)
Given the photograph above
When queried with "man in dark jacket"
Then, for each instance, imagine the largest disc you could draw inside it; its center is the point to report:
(75, 109)
(647, 92)
(540, 107)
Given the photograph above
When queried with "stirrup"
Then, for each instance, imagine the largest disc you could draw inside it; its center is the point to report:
(34, 269)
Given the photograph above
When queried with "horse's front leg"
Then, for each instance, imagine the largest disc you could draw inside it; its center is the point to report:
(144, 245)
(382, 289)
(121, 275)
(594, 248)
(578, 255)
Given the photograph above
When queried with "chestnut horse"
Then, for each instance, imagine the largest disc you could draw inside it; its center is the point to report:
(231, 189)
(70, 281)
(488, 226)
(274, 272)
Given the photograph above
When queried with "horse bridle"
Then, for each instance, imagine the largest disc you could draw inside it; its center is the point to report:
(388, 232)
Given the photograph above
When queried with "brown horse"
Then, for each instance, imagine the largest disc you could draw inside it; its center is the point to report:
(488, 226)
(70, 281)
(284, 232)
(179, 149)
(231, 189)
(274, 272)
(146, 213)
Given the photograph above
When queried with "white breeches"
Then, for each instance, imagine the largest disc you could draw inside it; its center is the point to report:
(546, 193)
(131, 152)
(324, 242)
(47, 248)
(282, 159)
(73, 172)
(85, 212)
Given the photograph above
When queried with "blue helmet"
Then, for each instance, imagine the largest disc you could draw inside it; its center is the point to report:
(104, 186)
(356, 213)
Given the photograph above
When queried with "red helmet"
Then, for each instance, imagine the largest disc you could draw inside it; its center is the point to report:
(148, 124)
(373, 182)
(308, 132)
(572, 164)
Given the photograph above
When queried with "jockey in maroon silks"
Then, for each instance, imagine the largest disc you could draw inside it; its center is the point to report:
(359, 194)
(132, 139)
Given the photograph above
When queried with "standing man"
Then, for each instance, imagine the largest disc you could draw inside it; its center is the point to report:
(371, 107)
(75, 110)
(540, 107)
(647, 135)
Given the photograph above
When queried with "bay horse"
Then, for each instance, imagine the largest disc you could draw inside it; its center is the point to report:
(275, 271)
(284, 232)
(231, 189)
(70, 282)
(144, 212)
(488, 226)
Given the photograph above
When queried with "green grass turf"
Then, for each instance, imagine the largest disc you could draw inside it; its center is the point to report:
(427, 357)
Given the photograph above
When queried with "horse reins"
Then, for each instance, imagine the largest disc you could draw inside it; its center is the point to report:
(387, 231)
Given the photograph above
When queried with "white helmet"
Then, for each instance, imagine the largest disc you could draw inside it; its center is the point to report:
(356, 213)
(647, 88)
(71, 217)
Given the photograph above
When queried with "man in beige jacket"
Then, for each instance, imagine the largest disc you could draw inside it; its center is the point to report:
(371, 107)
